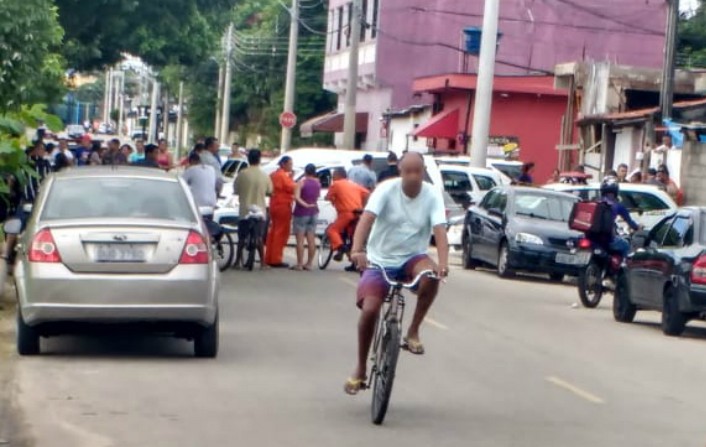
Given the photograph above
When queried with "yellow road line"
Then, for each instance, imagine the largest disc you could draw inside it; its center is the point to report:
(574, 389)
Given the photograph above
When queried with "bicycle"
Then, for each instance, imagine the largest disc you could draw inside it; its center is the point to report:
(387, 343)
(326, 250)
(249, 229)
(221, 243)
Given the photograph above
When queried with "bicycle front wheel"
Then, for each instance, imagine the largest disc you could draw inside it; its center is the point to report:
(325, 252)
(224, 252)
(384, 374)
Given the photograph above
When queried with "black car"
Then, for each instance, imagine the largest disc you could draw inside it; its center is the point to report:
(522, 229)
(666, 272)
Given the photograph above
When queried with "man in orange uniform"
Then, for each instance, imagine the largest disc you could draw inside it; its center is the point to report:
(347, 197)
(280, 213)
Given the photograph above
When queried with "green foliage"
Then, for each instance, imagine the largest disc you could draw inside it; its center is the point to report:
(692, 38)
(30, 68)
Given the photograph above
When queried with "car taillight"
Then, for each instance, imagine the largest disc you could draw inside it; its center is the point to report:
(584, 244)
(195, 250)
(43, 248)
(698, 271)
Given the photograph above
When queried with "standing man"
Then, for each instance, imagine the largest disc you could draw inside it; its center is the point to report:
(363, 174)
(209, 157)
(622, 173)
(658, 156)
(283, 187)
(669, 185)
(114, 156)
(139, 153)
(201, 180)
(149, 159)
(347, 197)
(392, 171)
(252, 186)
(63, 149)
(396, 225)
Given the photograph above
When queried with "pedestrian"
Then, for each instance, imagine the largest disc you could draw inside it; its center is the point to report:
(150, 159)
(555, 177)
(114, 156)
(61, 162)
(391, 171)
(348, 198)
(283, 187)
(127, 151)
(83, 150)
(526, 177)
(139, 153)
(363, 174)
(306, 213)
(252, 186)
(96, 156)
(658, 155)
(202, 182)
(636, 176)
(63, 149)
(210, 157)
(669, 185)
(622, 173)
(651, 179)
(164, 156)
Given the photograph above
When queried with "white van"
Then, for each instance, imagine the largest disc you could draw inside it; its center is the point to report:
(507, 169)
(468, 185)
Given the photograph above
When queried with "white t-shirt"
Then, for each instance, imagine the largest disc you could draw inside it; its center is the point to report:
(202, 181)
(403, 225)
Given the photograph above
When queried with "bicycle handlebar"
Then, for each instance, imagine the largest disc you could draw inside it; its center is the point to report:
(410, 285)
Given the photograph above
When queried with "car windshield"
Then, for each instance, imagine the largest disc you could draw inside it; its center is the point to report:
(512, 171)
(634, 201)
(117, 197)
(547, 207)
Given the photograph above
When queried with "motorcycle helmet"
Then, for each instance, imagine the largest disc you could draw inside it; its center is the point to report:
(610, 185)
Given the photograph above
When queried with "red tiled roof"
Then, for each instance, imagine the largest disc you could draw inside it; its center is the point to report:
(540, 85)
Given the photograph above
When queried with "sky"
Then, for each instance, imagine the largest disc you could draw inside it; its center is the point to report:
(688, 5)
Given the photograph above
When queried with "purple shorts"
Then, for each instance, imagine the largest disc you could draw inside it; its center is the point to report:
(372, 283)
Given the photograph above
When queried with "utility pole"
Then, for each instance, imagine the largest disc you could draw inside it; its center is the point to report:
(180, 123)
(109, 107)
(484, 87)
(225, 115)
(106, 96)
(349, 118)
(289, 88)
(121, 102)
(219, 101)
(151, 138)
(670, 48)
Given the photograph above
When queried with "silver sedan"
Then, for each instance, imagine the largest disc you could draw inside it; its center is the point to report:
(116, 246)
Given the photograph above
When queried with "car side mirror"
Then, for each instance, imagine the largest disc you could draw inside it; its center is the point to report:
(640, 239)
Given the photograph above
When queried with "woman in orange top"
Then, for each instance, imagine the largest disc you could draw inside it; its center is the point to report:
(280, 213)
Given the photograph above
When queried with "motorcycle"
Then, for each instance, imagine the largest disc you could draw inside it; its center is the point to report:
(601, 271)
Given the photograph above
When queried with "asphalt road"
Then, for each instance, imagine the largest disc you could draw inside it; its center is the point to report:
(508, 363)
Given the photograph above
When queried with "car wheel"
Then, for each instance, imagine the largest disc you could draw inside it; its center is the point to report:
(27, 338)
(623, 309)
(673, 321)
(206, 341)
(556, 277)
(467, 256)
(504, 270)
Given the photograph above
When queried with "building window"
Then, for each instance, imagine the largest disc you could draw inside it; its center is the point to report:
(348, 24)
(331, 32)
(376, 7)
(363, 19)
(339, 28)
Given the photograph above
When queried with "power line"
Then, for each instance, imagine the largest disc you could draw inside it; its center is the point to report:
(608, 17)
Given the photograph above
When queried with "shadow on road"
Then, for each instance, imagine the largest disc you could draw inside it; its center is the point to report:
(692, 331)
(117, 346)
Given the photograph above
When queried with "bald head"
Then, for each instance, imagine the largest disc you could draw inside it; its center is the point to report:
(412, 172)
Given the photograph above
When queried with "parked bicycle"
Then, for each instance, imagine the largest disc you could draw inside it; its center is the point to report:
(387, 342)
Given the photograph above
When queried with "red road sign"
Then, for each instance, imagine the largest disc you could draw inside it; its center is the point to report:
(288, 120)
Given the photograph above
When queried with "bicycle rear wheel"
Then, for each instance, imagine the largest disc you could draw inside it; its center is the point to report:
(325, 252)
(384, 374)
(224, 252)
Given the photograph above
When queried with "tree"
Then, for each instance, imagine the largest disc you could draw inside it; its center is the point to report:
(692, 38)
(30, 68)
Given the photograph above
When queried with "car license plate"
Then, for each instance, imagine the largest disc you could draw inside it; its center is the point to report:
(580, 258)
(119, 253)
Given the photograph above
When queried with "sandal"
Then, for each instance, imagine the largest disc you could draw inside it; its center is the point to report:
(353, 386)
(413, 346)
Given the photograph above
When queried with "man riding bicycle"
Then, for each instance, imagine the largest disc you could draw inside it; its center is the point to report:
(396, 225)
(252, 187)
(347, 197)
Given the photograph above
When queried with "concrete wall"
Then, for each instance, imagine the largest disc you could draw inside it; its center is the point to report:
(693, 167)
(401, 129)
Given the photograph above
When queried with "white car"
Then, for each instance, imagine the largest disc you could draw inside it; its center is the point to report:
(647, 203)
(468, 185)
(508, 170)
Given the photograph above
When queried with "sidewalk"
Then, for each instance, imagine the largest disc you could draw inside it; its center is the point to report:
(10, 432)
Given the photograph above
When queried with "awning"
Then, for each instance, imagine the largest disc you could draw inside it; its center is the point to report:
(443, 125)
(332, 122)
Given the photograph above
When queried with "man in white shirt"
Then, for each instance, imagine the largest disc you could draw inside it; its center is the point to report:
(202, 181)
(659, 155)
(63, 148)
(397, 223)
(209, 157)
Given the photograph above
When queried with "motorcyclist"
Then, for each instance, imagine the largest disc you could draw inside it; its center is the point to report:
(610, 187)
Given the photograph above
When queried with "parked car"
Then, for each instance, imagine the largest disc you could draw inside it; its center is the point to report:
(116, 246)
(139, 135)
(647, 204)
(468, 185)
(521, 229)
(508, 170)
(75, 131)
(666, 272)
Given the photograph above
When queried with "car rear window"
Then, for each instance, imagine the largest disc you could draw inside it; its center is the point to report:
(485, 183)
(643, 201)
(112, 197)
(511, 170)
(543, 207)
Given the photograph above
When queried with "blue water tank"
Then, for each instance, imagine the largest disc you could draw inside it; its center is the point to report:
(473, 38)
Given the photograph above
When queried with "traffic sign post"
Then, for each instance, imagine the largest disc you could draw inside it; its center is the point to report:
(288, 120)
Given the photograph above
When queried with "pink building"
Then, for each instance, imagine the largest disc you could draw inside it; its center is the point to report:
(408, 39)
